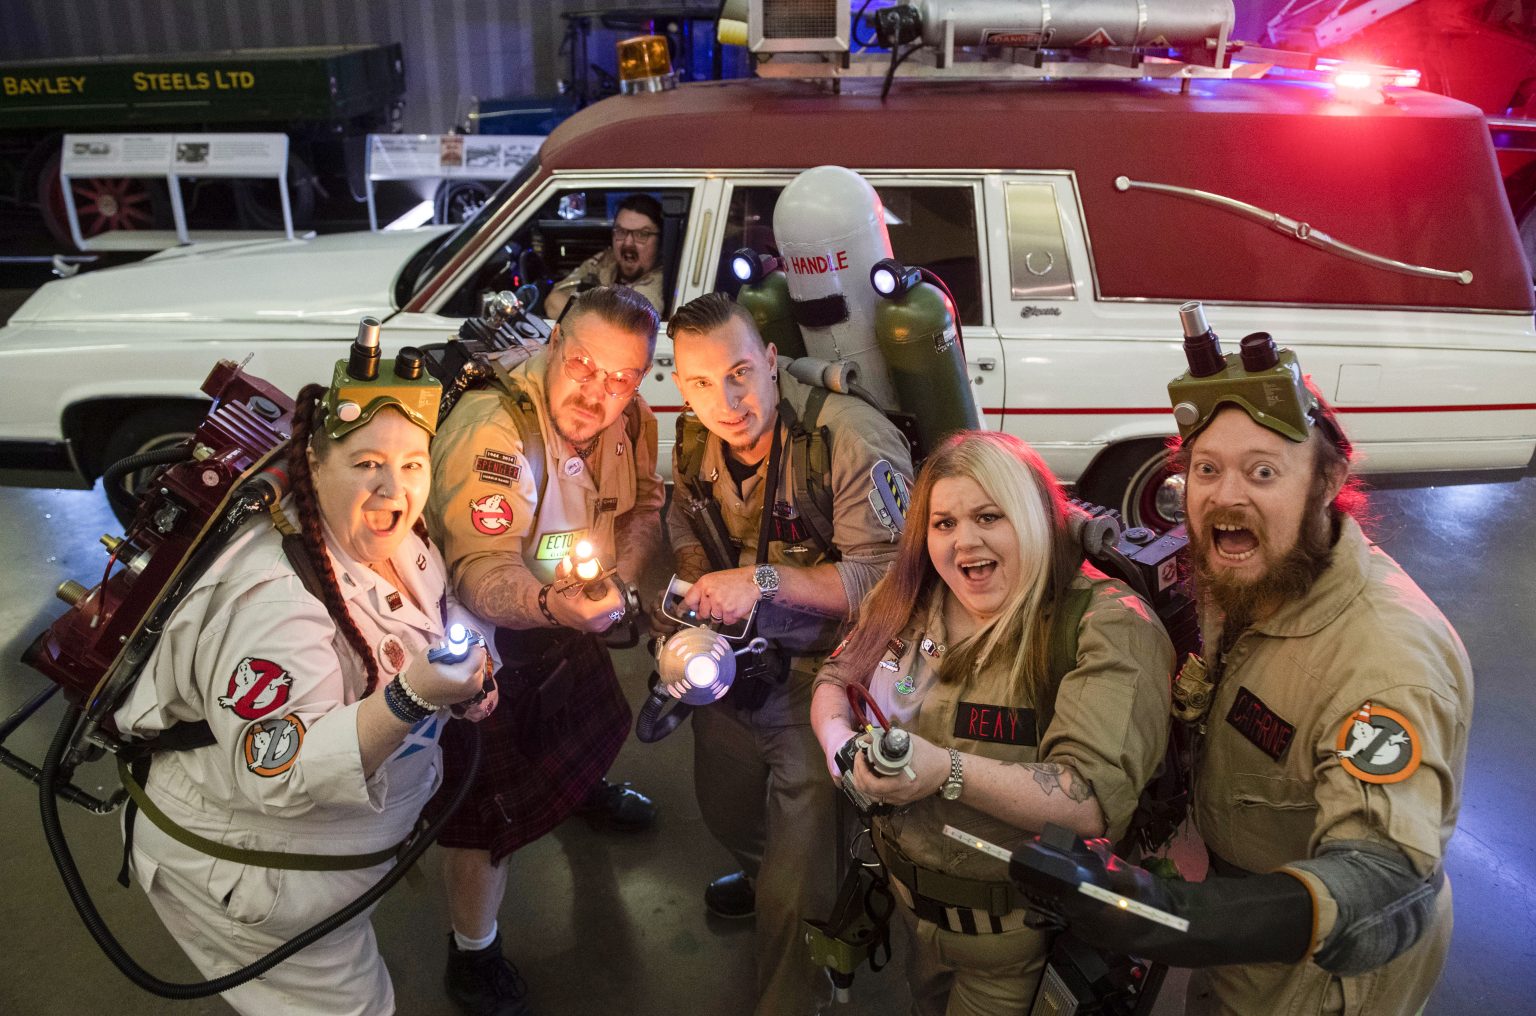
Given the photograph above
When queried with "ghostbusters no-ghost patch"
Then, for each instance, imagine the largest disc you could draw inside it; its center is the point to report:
(491, 514)
(256, 688)
(1378, 745)
(272, 746)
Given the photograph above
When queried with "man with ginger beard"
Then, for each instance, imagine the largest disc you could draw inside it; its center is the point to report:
(555, 451)
(1329, 762)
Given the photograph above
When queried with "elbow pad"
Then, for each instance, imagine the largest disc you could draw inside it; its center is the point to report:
(1384, 905)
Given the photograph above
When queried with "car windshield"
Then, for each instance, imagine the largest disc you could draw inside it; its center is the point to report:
(454, 242)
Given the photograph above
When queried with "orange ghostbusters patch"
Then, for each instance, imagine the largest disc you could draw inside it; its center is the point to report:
(1378, 745)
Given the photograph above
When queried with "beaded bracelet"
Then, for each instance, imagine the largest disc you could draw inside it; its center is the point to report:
(411, 694)
(544, 606)
(399, 701)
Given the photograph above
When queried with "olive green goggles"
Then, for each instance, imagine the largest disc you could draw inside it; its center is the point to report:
(402, 383)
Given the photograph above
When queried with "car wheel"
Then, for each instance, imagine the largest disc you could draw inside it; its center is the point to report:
(457, 201)
(1135, 479)
(102, 205)
(260, 205)
(145, 431)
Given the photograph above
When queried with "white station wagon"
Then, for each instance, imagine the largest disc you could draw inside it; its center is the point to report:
(1069, 220)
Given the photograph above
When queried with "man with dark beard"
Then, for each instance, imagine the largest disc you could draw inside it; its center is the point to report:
(633, 261)
(1329, 761)
(556, 451)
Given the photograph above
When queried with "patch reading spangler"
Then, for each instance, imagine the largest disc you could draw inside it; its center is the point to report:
(1260, 724)
(498, 467)
(998, 724)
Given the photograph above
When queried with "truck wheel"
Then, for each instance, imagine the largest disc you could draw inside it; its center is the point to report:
(145, 431)
(103, 205)
(1134, 478)
(260, 206)
(457, 201)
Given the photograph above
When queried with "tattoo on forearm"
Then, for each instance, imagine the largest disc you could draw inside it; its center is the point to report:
(637, 536)
(509, 603)
(1049, 776)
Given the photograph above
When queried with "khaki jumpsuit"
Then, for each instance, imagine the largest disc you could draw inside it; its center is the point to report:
(537, 763)
(1110, 724)
(760, 775)
(1365, 647)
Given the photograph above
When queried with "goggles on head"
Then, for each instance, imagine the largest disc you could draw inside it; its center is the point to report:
(1262, 380)
(363, 384)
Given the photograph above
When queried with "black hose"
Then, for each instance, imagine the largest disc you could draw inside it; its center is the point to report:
(80, 897)
(122, 467)
(959, 333)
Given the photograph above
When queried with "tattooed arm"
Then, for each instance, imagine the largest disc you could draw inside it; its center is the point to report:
(1023, 794)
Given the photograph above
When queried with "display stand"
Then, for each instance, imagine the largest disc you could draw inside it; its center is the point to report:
(172, 157)
(445, 156)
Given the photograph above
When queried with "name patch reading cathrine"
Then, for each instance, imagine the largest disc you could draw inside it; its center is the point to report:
(1260, 724)
(998, 724)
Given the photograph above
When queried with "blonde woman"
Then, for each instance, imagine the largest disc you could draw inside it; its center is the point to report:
(1014, 724)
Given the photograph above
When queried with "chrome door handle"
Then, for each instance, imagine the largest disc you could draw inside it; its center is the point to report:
(985, 363)
(663, 361)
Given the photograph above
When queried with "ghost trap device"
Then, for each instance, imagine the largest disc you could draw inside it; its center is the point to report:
(858, 930)
(1079, 979)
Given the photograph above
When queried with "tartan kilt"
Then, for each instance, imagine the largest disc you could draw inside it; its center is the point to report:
(559, 722)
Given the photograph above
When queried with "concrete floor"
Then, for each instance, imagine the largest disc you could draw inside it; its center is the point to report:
(603, 923)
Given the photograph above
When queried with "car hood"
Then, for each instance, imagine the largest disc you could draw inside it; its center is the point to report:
(329, 278)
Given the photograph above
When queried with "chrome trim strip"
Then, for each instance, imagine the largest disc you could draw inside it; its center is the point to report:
(1299, 230)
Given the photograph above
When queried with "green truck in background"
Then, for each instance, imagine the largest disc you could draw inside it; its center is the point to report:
(325, 98)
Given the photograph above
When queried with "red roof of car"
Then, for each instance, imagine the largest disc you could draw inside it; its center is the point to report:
(1414, 180)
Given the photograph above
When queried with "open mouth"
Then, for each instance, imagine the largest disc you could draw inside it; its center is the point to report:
(978, 571)
(382, 523)
(1234, 543)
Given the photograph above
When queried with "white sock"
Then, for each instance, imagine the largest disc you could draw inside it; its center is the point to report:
(467, 944)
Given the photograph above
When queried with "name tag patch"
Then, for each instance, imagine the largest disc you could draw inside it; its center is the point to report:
(998, 724)
(1260, 724)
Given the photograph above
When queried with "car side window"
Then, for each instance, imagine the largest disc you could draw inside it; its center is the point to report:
(572, 225)
(930, 227)
(1038, 266)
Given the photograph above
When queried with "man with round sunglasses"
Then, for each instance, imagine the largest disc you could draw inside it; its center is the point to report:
(558, 451)
(634, 259)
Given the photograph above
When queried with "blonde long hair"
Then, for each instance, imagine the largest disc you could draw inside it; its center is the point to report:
(1018, 482)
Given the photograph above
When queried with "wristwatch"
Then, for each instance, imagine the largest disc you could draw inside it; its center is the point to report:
(950, 788)
(766, 577)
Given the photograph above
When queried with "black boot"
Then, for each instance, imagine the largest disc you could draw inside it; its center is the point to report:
(619, 806)
(484, 982)
(731, 896)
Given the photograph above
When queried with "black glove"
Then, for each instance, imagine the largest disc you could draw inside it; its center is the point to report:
(1257, 919)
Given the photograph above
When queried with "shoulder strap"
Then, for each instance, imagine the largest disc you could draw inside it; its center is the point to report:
(1063, 652)
(688, 450)
(811, 458)
(525, 417)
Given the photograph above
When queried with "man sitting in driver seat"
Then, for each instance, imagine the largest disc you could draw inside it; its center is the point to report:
(634, 259)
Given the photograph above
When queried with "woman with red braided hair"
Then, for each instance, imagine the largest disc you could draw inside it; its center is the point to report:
(304, 649)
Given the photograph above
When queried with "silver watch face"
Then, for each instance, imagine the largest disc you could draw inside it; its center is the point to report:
(950, 790)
